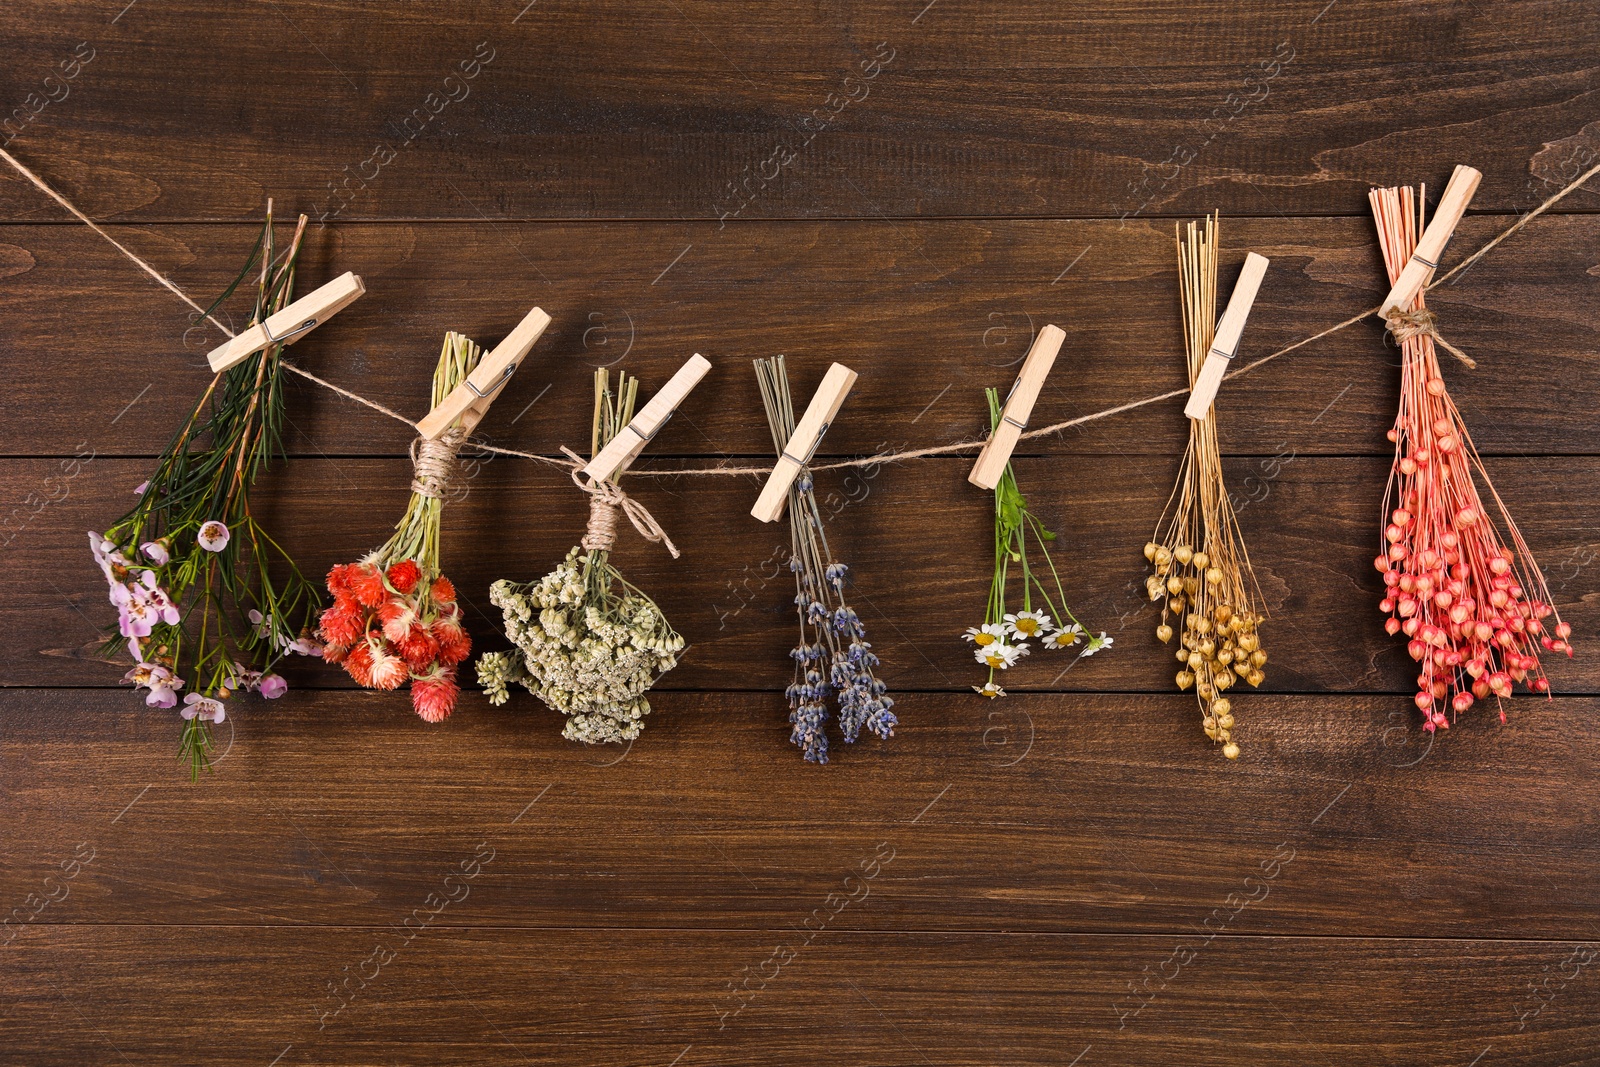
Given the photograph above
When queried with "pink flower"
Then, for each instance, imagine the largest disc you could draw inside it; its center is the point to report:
(141, 605)
(273, 686)
(106, 554)
(213, 536)
(204, 708)
(158, 597)
(159, 680)
(305, 646)
(242, 677)
(135, 617)
(156, 552)
(139, 490)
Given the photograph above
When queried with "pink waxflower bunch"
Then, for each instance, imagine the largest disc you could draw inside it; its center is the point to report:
(207, 602)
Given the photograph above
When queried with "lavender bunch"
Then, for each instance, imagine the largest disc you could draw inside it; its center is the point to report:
(833, 658)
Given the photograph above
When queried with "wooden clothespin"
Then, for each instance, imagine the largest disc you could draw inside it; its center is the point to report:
(470, 400)
(1225, 341)
(1018, 407)
(625, 447)
(802, 444)
(1420, 267)
(291, 323)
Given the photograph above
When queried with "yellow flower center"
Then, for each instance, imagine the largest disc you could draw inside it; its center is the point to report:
(982, 639)
(1028, 626)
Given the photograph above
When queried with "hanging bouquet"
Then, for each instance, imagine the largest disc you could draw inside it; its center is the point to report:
(1201, 566)
(833, 657)
(190, 571)
(394, 617)
(1003, 637)
(1473, 605)
(589, 643)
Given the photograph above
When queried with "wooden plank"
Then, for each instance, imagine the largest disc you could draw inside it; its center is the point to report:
(575, 110)
(1077, 814)
(448, 997)
(929, 313)
(917, 538)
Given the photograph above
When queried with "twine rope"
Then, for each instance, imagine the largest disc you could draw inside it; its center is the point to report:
(1420, 322)
(433, 463)
(1406, 324)
(606, 498)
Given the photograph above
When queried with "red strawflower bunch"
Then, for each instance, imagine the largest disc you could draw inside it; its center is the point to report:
(1473, 608)
(390, 626)
(394, 617)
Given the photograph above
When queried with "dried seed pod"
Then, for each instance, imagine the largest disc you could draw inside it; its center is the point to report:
(1198, 557)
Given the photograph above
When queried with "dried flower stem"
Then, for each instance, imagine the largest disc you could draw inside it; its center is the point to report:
(590, 644)
(1474, 612)
(1003, 637)
(189, 568)
(832, 637)
(1201, 565)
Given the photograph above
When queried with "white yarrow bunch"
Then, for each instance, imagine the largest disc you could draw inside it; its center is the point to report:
(590, 657)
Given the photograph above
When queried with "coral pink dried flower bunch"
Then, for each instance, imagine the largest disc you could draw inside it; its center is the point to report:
(394, 616)
(1474, 607)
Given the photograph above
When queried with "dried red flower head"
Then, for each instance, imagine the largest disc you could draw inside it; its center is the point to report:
(396, 616)
(419, 649)
(388, 670)
(433, 695)
(358, 663)
(341, 626)
(339, 580)
(390, 625)
(454, 644)
(366, 582)
(404, 575)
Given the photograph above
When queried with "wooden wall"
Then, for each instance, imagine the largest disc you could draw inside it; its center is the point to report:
(1070, 876)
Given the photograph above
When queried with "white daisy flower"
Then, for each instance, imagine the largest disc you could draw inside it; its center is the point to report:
(1065, 637)
(998, 655)
(987, 634)
(989, 690)
(1097, 643)
(1026, 624)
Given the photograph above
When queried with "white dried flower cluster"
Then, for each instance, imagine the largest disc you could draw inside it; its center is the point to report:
(591, 661)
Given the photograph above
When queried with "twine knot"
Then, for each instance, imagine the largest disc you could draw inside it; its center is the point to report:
(433, 463)
(1411, 325)
(606, 498)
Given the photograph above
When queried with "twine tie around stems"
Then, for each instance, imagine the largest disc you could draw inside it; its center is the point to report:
(606, 498)
(433, 463)
(1409, 325)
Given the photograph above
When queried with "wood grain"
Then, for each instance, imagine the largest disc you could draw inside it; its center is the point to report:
(455, 997)
(1069, 876)
(1065, 814)
(929, 313)
(685, 110)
